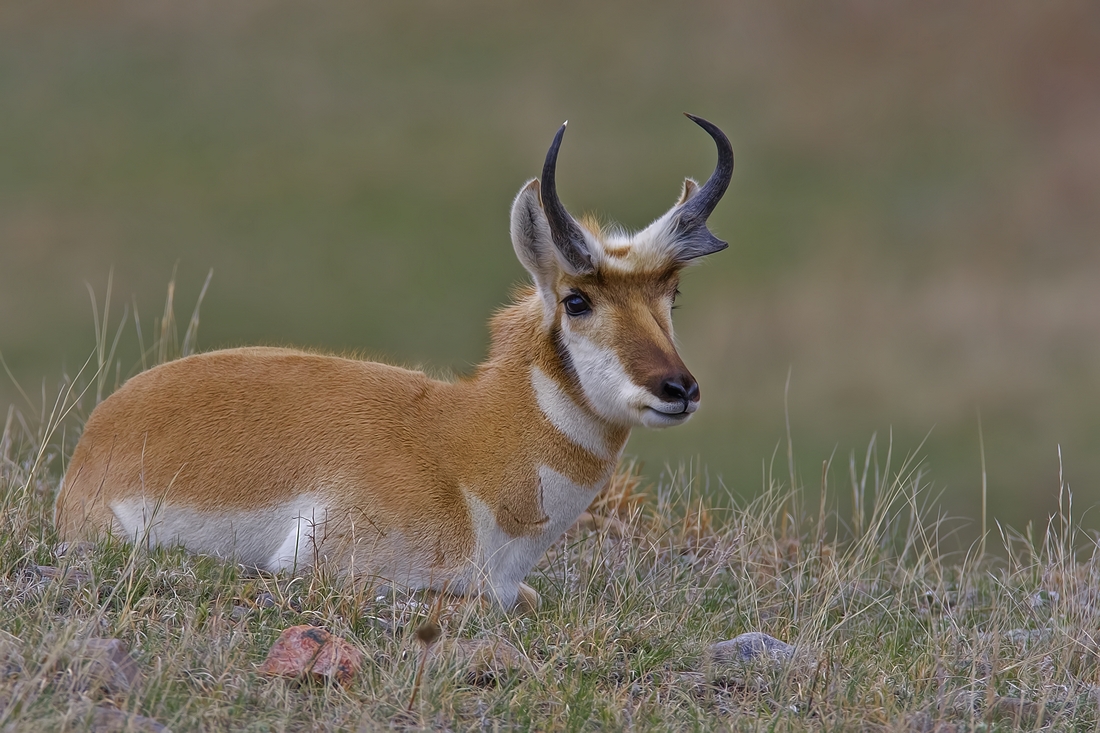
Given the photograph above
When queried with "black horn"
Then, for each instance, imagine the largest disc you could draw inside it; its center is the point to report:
(565, 231)
(693, 239)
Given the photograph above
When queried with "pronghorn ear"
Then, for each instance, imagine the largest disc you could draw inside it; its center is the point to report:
(689, 189)
(532, 240)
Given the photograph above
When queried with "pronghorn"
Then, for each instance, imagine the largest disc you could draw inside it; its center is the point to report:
(281, 459)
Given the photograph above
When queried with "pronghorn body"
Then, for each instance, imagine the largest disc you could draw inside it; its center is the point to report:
(281, 459)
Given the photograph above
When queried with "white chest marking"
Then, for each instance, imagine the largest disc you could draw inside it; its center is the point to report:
(567, 416)
(502, 562)
(280, 537)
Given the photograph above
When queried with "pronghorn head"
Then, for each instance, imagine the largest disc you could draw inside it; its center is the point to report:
(607, 295)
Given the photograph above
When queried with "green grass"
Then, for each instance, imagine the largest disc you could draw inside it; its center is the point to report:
(891, 630)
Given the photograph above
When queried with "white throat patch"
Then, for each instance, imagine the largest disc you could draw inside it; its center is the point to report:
(567, 416)
(609, 389)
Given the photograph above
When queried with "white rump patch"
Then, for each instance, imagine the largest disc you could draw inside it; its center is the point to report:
(567, 416)
(273, 538)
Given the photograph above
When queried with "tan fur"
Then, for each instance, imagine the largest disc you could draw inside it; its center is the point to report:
(284, 458)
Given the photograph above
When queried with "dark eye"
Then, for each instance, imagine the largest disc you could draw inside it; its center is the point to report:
(576, 304)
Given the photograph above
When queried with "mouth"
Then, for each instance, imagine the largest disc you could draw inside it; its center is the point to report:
(663, 416)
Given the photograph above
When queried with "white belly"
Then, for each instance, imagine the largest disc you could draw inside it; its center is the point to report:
(273, 538)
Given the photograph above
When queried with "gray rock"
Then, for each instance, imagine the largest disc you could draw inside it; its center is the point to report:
(485, 662)
(111, 720)
(102, 664)
(108, 719)
(925, 722)
(1026, 637)
(1019, 637)
(11, 656)
(749, 647)
(66, 576)
(266, 600)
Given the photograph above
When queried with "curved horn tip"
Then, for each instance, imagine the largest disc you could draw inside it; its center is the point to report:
(564, 230)
(552, 157)
(712, 129)
(557, 141)
(696, 119)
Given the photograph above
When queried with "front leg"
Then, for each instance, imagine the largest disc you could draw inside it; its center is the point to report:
(527, 600)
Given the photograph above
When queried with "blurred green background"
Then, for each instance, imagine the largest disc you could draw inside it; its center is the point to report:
(913, 220)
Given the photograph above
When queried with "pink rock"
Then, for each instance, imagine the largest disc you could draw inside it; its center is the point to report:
(308, 651)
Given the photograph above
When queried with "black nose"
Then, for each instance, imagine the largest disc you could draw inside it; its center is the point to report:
(681, 388)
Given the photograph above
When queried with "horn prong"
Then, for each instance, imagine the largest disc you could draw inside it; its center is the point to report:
(694, 239)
